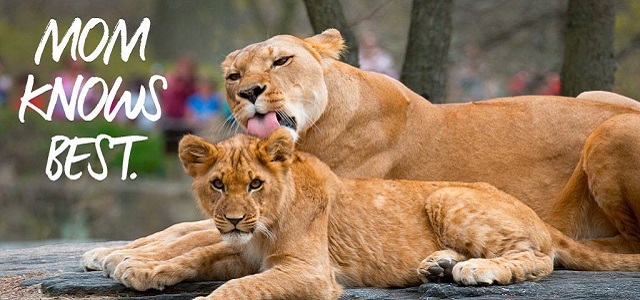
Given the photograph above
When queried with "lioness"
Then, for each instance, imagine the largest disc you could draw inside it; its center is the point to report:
(575, 162)
(287, 217)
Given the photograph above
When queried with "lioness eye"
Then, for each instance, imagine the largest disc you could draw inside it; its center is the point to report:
(217, 184)
(233, 76)
(255, 184)
(281, 61)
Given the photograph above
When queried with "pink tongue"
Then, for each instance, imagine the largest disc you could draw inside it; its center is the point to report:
(263, 125)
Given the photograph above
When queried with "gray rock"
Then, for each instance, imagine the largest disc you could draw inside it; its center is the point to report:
(68, 279)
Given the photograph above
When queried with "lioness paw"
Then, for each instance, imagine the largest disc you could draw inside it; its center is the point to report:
(438, 266)
(111, 261)
(92, 259)
(144, 275)
(481, 272)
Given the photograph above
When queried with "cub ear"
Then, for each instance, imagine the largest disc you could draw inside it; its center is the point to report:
(329, 43)
(278, 147)
(227, 61)
(196, 155)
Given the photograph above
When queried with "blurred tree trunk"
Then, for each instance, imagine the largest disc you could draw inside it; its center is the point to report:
(288, 8)
(189, 27)
(284, 20)
(425, 63)
(328, 14)
(589, 62)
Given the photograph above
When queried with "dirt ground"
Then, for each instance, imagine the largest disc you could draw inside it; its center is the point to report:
(10, 288)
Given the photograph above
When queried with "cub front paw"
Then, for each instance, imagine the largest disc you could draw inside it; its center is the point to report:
(434, 269)
(438, 267)
(144, 275)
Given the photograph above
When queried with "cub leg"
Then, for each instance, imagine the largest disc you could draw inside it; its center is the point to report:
(155, 244)
(282, 282)
(504, 239)
(604, 191)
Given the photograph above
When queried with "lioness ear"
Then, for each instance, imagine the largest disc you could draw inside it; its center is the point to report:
(227, 61)
(329, 43)
(278, 147)
(196, 154)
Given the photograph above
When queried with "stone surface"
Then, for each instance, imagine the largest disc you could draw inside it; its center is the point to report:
(63, 276)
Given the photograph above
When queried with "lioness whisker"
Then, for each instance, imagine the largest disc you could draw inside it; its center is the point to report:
(224, 124)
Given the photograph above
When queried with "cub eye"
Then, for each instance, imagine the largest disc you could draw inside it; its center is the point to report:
(217, 184)
(255, 184)
(281, 61)
(233, 76)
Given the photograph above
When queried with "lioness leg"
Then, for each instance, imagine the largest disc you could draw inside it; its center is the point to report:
(155, 245)
(162, 250)
(220, 261)
(601, 203)
(504, 238)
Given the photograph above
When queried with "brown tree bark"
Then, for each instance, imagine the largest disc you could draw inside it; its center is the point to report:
(426, 58)
(589, 62)
(328, 14)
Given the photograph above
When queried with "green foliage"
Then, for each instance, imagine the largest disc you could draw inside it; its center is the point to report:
(26, 146)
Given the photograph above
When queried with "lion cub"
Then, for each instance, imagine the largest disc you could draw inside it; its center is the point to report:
(297, 231)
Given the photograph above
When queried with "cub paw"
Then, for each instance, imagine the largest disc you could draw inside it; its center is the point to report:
(144, 275)
(438, 267)
(481, 272)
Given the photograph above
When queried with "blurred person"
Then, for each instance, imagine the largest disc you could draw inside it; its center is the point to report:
(5, 85)
(203, 105)
(181, 83)
(469, 77)
(38, 101)
(373, 58)
(519, 82)
(69, 74)
(134, 88)
(551, 85)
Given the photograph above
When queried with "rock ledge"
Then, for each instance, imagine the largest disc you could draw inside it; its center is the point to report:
(65, 277)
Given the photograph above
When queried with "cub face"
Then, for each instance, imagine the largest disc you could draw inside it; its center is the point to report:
(240, 182)
(280, 82)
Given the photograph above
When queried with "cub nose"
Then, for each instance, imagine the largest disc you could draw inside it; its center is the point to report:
(234, 220)
(252, 93)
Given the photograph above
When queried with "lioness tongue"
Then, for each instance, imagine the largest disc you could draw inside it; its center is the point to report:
(263, 125)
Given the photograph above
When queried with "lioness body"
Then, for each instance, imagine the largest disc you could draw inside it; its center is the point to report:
(288, 218)
(364, 124)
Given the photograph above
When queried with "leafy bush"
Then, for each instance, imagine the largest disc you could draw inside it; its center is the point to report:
(26, 146)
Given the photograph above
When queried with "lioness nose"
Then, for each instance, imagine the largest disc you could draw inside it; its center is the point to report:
(252, 93)
(234, 220)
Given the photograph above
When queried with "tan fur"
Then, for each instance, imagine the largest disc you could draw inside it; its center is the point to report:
(575, 162)
(305, 231)
(364, 124)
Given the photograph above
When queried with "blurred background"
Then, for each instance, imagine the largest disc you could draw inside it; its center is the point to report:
(497, 48)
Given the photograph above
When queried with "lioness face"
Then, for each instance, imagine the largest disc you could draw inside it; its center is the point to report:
(280, 82)
(240, 182)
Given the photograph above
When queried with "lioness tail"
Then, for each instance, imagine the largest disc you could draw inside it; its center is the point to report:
(576, 256)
